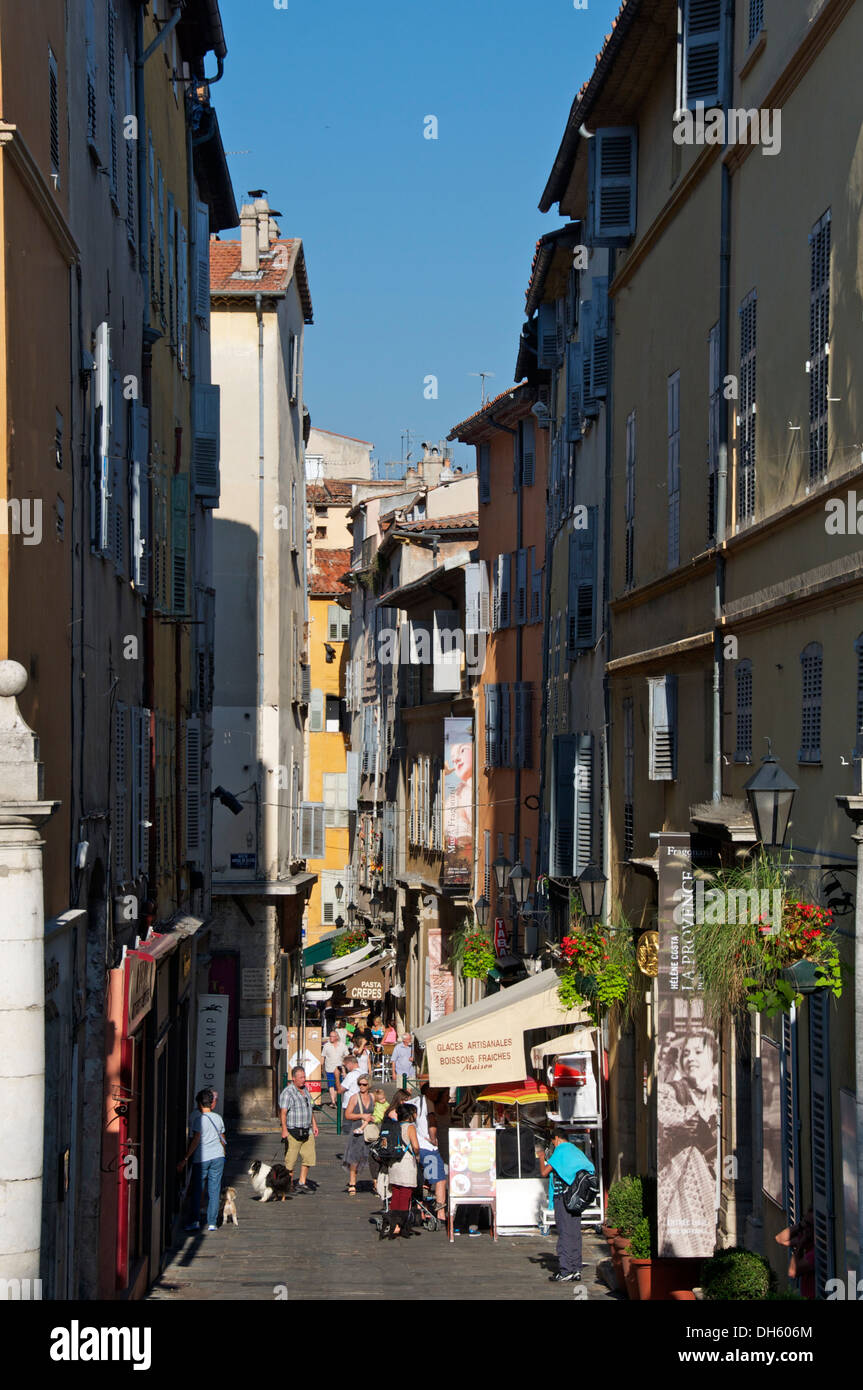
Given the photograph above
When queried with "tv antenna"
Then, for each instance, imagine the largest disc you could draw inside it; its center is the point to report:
(483, 375)
(407, 441)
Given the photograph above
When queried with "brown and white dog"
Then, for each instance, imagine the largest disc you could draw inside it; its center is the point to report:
(271, 1182)
(229, 1206)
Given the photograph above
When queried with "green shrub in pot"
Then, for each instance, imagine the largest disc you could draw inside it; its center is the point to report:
(640, 1245)
(736, 1275)
(625, 1205)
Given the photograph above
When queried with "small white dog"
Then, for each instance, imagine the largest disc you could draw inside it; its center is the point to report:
(229, 1206)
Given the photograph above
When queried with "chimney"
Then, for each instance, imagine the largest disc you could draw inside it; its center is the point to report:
(248, 238)
(262, 212)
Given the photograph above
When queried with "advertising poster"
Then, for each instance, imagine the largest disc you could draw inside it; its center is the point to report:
(440, 977)
(211, 1043)
(309, 1059)
(687, 1071)
(458, 803)
(472, 1164)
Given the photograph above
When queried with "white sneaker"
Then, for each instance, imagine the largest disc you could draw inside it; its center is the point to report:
(211, 1228)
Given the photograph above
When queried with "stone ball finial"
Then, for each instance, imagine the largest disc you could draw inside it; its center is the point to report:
(13, 678)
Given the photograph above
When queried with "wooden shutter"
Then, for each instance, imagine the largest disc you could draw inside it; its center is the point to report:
(162, 243)
(524, 724)
(589, 403)
(811, 661)
(822, 1138)
(171, 224)
(119, 478)
(743, 676)
(201, 287)
(790, 1112)
(535, 591)
(316, 712)
(581, 620)
(120, 827)
(111, 64)
(702, 53)
(193, 791)
(182, 295)
(663, 728)
(528, 452)
(353, 766)
(472, 623)
(103, 405)
(139, 439)
(447, 652)
(547, 336)
(583, 795)
(312, 830)
(516, 462)
(504, 563)
(562, 805)
(492, 726)
(599, 366)
(141, 793)
(130, 146)
(746, 418)
(180, 542)
(505, 726)
(574, 387)
(521, 587)
(484, 604)
(484, 471)
(54, 115)
(612, 185)
(90, 48)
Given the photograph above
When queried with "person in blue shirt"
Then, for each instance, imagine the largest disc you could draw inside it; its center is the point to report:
(560, 1167)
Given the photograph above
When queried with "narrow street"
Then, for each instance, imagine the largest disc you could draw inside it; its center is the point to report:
(324, 1246)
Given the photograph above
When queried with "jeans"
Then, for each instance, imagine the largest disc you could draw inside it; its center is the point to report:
(209, 1172)
(568, 1238)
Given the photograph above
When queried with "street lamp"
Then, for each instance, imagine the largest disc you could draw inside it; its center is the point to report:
(339, 890)
(375, 907)
(501, 868)
(481, 908)
(591, 883)
(352, 913)
(770, 793)
(519, 882)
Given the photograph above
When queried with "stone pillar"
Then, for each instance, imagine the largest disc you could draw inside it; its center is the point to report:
(22, 983)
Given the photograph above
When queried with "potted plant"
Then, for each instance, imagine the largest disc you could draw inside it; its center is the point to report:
(640, 1251)
(736, 1275)
(349, 948)
(597, 965)
(623, 1212)
(474, 949)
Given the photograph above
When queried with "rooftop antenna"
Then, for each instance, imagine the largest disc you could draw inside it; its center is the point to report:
(407, 440)
(483, 375)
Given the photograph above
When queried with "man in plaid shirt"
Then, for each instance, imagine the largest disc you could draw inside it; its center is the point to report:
(299, 1130)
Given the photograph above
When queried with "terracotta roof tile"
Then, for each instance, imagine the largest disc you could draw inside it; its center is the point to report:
(285, 261)
(463, 522)
(329, 492)
(326, 577)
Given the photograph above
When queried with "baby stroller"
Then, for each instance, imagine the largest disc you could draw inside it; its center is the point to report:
(420, 1213)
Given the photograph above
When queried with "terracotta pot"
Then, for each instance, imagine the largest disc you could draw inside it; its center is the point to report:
(619, 1246)
(682, 1295)
(631, 1281)
(641, 1270)
(609, 1232)
(669, 1273)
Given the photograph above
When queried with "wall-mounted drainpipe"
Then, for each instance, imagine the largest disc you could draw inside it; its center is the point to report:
(260, 561)
(722, 462)
(516, 818)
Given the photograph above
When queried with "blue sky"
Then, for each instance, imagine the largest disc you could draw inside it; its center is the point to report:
(418, 250)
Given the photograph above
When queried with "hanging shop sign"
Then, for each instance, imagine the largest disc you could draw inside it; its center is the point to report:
(369, 987)
(499, 936)
(212, 1042)
(140, 985)
(687, 1071)
(458, 803)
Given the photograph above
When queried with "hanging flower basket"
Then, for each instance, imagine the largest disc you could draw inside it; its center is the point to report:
(597, 967)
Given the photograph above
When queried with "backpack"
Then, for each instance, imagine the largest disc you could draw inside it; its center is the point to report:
(582, 1192)
(389, 1147)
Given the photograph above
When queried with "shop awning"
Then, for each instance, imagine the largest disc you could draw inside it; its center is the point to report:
(336, 976)
(527, 1092)
(321, 950)
(580, 1040)
(485, 1041)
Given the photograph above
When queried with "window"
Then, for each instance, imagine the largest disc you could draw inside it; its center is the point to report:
(811, 662)
(714, 389)
(54, 118)
(746, 418)
(484, 471)
(501, 597)
(581, 616)
(612, 186)
(120, 824)
(756, 19)
(333, 904)
(492, 726)
(663, 728)
(702, 66)
(628, 778)
(629, 542)
(119, 478)
(674, 471)
(521, 587)
(335, 795)
(821, 1139)
(535, 589)
(563, 804)
(141, 743)
(476, 601)
(743, 751)
(194, 807)
(333, 714)
(448, 652)
(858, 731)
(819, 346)
(139, 435)
(338, 623)
(312, 830)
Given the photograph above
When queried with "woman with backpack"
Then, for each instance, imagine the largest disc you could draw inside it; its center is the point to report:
(398, 1126)
(561, 1165)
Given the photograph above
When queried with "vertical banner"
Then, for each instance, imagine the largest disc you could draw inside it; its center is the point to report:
(687, 1070)
(211, 1045)
(458, 803)
(309, 1059)
(439, 976)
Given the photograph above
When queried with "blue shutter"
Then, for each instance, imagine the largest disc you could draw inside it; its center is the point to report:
(520, 614)
(702, 53)
(504, 566)
(574, 384)
(790, 1114)
(822, 1138)
(523, 724)
(528, 452)
(589, 403)
(562, 805)
(663, 728)
(612, 185)
(581, 616)
(599, 367)
(505, 744)
(492, 726)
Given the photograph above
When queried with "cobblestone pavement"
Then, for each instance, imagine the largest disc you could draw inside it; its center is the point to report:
(324, 1246)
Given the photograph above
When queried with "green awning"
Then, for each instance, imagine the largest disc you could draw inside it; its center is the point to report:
(322, 949)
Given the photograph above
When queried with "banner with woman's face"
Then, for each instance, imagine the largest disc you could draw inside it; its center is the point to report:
(458, 803)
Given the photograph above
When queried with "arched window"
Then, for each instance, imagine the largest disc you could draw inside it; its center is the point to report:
(743, 751)
(811, 661)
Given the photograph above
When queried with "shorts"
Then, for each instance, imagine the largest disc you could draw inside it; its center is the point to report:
(304, 1152)
(434, 1167)
(331, 1079)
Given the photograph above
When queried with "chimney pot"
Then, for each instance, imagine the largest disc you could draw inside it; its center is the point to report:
(248, 239)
